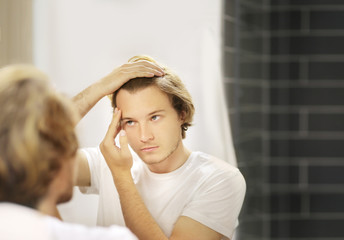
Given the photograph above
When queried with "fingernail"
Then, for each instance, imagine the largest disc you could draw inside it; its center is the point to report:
(116, 110)
(122, 133)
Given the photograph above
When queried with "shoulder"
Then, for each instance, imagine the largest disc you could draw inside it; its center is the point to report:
(210, 164)
(30, 222)
(217, 173)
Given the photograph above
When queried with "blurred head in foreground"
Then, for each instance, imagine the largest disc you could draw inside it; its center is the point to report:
(37, 139)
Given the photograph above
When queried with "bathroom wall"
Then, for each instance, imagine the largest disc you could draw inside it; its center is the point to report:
(246, 82)
(306, 119)
(284, 64)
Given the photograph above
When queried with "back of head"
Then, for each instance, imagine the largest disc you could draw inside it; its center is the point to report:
(170, 84)
(36, 134)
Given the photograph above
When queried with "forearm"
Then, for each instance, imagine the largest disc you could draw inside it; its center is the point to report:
(86, 99)
(136, 215)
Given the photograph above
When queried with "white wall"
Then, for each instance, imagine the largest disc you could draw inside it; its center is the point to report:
(78, 41)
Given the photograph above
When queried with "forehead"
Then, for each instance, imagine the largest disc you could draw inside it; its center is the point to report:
(142, 101)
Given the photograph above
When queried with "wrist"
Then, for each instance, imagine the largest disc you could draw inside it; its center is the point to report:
(121, 174)
(99, 88)
(122, 178)
(107, 85)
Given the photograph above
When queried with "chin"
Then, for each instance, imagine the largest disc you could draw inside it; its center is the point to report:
(152, 160)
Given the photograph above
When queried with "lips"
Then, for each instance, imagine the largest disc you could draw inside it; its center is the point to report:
(149, 149)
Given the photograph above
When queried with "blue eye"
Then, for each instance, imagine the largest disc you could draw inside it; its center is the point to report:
(129, 123)
(155, 117)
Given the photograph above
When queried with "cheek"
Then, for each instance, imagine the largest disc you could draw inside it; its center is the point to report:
(174, 126)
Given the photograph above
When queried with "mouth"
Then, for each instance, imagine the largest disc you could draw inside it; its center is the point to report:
(149, 149)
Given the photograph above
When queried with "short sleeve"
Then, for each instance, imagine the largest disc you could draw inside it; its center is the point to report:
(95, 160)
(218, 201)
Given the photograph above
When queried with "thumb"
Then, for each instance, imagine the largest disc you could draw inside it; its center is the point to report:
(113, 127)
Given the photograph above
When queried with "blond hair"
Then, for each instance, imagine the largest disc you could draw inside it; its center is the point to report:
(36, 134)
(170, 84)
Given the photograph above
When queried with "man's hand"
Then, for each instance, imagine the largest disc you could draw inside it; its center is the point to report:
(118, 159)
(122, 74)
(87, 98)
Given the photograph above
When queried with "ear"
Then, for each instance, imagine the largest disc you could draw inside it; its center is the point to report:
(182, 116)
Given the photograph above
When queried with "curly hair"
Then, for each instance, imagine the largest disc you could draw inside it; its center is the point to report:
(170, 84)
(36, 134)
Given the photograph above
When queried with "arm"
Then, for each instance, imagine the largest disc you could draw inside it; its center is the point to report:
(83, 175)
(136, 215)
(86, 99)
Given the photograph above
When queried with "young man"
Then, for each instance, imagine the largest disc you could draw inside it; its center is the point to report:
(170, 192)
(38, 149)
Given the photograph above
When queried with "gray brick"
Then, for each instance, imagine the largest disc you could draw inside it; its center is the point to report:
(327, 203)
(327, 20)
(304, 96)
(307, 45)
(326, 175)
(285, 20)
(326, 122)
(307, 148)
(308, 228)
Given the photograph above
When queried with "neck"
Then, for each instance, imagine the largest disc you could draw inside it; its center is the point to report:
(48, 206)
(172, 162)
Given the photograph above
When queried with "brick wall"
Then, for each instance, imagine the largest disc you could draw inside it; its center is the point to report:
(246, 82)
(284, 74)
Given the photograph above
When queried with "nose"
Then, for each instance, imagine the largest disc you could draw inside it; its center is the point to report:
(145, 133)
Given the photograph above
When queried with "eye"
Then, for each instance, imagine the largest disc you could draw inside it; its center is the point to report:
(129, 123)
(155, 118)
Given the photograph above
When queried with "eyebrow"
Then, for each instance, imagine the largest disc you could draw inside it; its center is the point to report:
(149, 114)
(155, 112)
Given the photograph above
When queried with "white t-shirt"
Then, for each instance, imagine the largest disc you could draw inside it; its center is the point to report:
(205, 189)
(20, 222)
